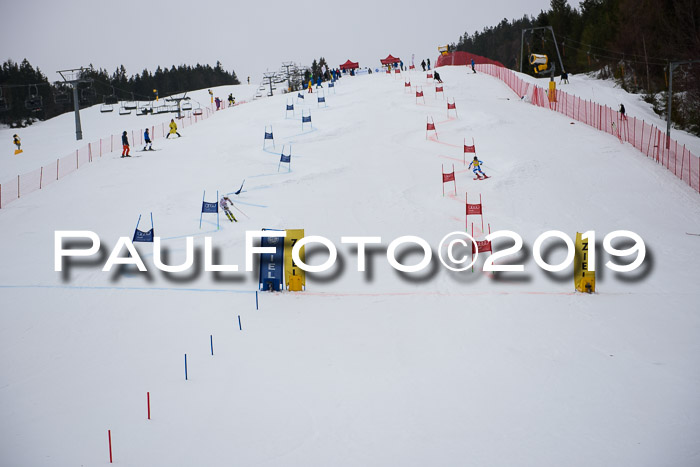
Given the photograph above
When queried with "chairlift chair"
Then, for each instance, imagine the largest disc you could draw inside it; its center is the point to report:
(34, 101)
(186, 105)
(130, 105)
(108, 103)
(112, 98)
(88, 95)
(144, 109)
(123, 110)
(161, 109)
(4, 106)
(62, 96)
(197, 110)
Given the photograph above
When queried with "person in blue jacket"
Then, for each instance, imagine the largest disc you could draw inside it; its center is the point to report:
(318, 82)
(147, 141)
(473, 69)
(476, 163)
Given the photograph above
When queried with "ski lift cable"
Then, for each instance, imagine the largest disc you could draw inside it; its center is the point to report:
(613, 51)
(623, 57)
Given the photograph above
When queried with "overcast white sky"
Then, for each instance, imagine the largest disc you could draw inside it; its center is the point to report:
(248, 37)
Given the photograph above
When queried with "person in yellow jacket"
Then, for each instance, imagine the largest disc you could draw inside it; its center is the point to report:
(173, 129)
(18, 143)
(310, 88)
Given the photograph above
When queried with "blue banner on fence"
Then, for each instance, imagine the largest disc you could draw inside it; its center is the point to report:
(272, 265)
(210, 207)
(141, 236)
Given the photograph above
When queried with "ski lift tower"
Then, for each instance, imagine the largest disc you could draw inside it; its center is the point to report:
(177, 101)
(74, 77)
(269, 76)
(287, 66)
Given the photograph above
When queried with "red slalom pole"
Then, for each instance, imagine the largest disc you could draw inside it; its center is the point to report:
(148, 402)
(109, 435)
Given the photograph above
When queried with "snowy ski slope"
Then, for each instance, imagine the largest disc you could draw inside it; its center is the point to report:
(376, 368)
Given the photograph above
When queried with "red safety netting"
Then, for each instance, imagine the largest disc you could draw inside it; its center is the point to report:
(645, 137)
(23, 184)
(463, 58)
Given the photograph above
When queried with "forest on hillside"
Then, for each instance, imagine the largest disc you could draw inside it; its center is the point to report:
(632, 41)
(27, 94)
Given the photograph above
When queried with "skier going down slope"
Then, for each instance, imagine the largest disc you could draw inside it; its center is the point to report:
(224, 204)
(476, 163)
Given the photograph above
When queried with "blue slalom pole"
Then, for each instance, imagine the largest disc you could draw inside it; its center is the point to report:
(240, 328)
(211, 343)
(217, 210)
(200, 210)
(185, 367)
(256, 299)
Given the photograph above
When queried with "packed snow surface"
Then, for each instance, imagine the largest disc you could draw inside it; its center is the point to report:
(370, 368)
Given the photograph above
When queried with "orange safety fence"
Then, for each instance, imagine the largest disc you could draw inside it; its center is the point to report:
(24, 184)
(645, 137)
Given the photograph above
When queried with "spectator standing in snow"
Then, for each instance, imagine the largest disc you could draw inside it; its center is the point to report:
(18, 143)
(423, 64)
(564, 78)
(173, 129)
(218, 103)
(147, 141)
(428, 62)
(622, 111)
(125, 145)
(473, 69)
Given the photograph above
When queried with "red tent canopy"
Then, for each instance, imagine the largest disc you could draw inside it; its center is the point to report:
(390, 59)
(349, 65)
